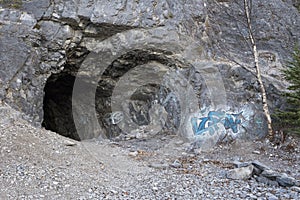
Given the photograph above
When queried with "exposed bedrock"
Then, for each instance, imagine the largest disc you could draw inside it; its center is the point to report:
(87, 69)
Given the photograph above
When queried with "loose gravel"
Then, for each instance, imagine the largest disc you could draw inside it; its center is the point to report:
(39, 164)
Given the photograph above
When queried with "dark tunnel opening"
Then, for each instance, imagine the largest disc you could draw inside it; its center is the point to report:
(58, 116)
(58, 105)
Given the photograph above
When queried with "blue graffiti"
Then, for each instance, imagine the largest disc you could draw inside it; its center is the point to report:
(209, 123)
(232, 121)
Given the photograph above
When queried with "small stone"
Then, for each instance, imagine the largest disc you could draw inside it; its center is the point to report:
(257, 171)
(240, 173)
(260, 165)
(262, 179)
(159, 165)
(55, 182)
(184, 154)
(295, 188)
(133, 154)
(258, 194)
(285, 180)
(243, 195)
(69, 143)
(270, 174)
(271, 196)
(286, 196)
(297, 183)
(114, 191)
(252, 196)
(294, 195)
(166, 14)
(176, 164)
(192, 155)
(256, 152)
(239, 164)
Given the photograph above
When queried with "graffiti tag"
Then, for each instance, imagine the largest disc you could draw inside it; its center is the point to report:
(210, 123)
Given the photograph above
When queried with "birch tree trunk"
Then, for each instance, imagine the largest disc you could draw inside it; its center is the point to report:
(247, 10)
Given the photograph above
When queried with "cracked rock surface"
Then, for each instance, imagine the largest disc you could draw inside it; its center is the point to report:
(42, 38)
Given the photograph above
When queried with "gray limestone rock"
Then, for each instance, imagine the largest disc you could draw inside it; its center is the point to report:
(262, 179)
(159, 165)
(239, 164)
(257, 171)
(240, 173)
(270, 174)
(296, 188)
(260, 165)
(45, 43)
(271, 196)
(176, 164)
(285, 180)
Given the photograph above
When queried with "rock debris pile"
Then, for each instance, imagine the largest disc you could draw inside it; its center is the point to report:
(262, 173)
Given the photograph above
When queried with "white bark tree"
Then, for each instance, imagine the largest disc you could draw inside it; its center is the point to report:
(247, 10)
(238, 14)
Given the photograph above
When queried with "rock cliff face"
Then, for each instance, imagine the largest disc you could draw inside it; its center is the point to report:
(85, 68)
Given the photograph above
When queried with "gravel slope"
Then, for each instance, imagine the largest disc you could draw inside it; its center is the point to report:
(39, 164)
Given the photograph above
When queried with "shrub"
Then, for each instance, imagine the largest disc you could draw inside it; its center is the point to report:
(289, 118)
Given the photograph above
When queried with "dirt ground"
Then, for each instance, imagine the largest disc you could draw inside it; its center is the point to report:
(40, 164)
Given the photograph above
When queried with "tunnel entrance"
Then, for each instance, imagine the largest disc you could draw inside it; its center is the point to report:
(58, 115)
(58, 105)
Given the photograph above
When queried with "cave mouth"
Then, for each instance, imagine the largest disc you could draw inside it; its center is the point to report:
(58, 116)
(58, 105)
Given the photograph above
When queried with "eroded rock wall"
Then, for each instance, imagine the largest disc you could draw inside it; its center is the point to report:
(199, 46)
